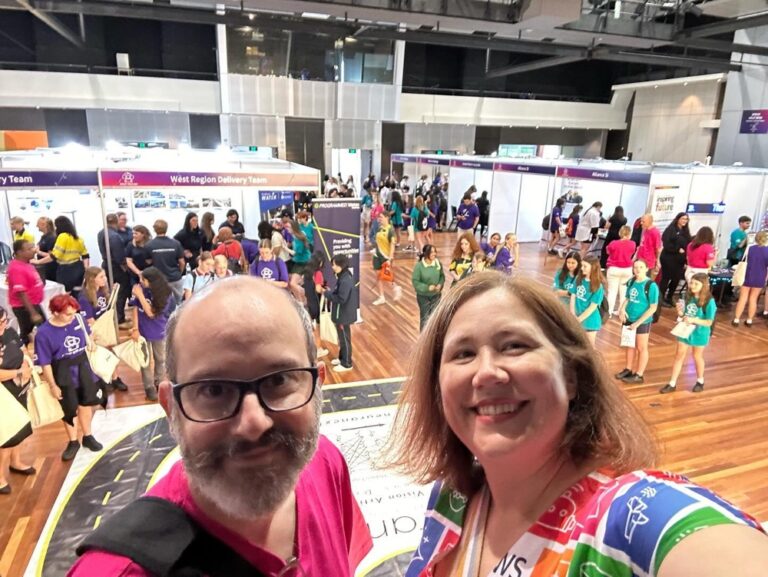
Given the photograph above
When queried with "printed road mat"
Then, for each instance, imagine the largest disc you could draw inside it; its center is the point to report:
(139, 449)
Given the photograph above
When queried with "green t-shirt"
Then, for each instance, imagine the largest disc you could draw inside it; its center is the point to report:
(585, 297)
(638, 302)
(700, 336)
(737, 237)
(566, 285)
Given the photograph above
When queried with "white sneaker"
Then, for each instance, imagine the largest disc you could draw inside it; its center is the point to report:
(341, 369)
(335, 362)
(398, 292)
(321, 352)
(380, 301)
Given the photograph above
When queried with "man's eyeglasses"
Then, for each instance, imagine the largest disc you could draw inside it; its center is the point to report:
(211, 400)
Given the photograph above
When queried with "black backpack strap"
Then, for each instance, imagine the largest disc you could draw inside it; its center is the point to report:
(160, 537)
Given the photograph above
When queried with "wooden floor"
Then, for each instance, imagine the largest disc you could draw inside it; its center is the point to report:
(718, 438)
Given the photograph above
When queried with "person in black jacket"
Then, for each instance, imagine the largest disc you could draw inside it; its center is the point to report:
(343, 311)
(674, 240)
(615, 223)
(191, 238)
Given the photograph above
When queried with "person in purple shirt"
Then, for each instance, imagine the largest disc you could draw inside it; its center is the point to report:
(152, 306)
(269, 268)
(509, 254)
(492, 247)
(468, 215)
(250, 249)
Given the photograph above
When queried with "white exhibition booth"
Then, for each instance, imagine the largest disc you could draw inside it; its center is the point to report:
(523, 191)
(86, 184)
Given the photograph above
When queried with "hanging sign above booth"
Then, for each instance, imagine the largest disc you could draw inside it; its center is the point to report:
(476, 164)
(705, 208)
(606, 175)
(404, 158)
(754, 122)
(525, 168)
(146, 179)
(47, 179)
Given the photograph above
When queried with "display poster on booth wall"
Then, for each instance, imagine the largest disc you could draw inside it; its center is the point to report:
(337, 231)
(273, 202)
(144, 200)
(663, 204)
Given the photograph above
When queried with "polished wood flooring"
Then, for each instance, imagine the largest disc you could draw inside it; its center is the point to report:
(718, 438)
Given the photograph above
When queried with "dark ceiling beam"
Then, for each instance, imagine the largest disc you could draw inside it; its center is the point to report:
(18, 43)
(722, 46)
(531, 66)
(53, 23)
(667, 60)
(730, 25)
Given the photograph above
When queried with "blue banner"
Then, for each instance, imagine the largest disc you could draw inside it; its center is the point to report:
(273, 202)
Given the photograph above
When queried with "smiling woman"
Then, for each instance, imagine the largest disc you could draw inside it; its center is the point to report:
(539, 461)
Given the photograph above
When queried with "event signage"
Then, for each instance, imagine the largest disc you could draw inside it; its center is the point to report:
(525, 168)
(337, 231)
(404, 158)
(606, 175)
(47, 179)
(273, 202)
(145, 179)
(438, 161)
(705, 208)
(472, 164)
(754, 122)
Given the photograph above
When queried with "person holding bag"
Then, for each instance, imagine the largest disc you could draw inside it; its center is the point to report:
(698, 309)
(636, 313)
(383, 257)
(94, 303)
(60, 346)
(343, 311)
(153, 304)
(15, 373)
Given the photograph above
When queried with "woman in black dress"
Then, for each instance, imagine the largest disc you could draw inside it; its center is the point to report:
(675, 240)
(615, 223)
(15, 373)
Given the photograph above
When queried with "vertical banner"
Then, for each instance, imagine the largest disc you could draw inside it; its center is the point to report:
(663, 204)
(273, 202)
(337, 231)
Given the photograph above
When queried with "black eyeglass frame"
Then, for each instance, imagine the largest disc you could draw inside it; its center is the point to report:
(245, 387)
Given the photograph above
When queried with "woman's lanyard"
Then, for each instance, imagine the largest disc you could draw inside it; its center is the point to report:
(470, 554)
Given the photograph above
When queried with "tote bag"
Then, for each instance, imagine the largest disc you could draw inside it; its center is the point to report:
(15, 418)
(104, 329)
(135, 354)
(628, 337)
(740, 272)
(328, 332)
(103, 361)
(43, 408)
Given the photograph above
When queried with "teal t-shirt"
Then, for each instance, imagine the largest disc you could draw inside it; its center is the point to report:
(637, 302)
(566, 285)
(397, 213)
(309, 231)
(700, 336)
(585, 297)
(737, 237)
(366, 201)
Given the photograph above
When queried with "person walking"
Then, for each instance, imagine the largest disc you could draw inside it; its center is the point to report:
(25, 289)
(383, 257)
(754, 280)
(420, 222)
(675, 241)
(555, 224)
(698, 308)
(343, 310)
(636, 312)
(571, 226)
(428, 280)
(619, 270)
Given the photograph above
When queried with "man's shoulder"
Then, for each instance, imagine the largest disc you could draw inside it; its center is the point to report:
(106, 565)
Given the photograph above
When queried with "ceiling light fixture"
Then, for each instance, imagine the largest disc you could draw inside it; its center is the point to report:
(315, 15)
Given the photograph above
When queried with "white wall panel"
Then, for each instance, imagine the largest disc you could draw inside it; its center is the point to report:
(505, 201)
(460, 179)
(534, 194)
(743, 196)
(63, 90)
(368, 101)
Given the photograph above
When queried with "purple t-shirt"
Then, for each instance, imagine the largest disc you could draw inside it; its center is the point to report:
(88, 310)
(505, 260)
(55, 343)
(270, 270)
(153, 329)
(555, 219)
(250, 249)
(471, 212)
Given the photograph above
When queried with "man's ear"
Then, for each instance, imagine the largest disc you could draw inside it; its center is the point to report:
(321, 374)
(165, 396)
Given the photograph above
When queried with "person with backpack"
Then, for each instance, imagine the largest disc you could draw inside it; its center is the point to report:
(343, 310)
(698, 308)
(269, 268)
(572, 224)
(200, 277)
(565, 278)
(231, 249)
(638, 312)
(587, 296)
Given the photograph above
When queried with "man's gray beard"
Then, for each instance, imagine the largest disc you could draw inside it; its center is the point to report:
(247, 492)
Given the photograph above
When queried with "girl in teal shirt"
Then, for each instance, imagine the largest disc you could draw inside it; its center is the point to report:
(565, 278)
(637, 312)
(697, 309)
(587, 295)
